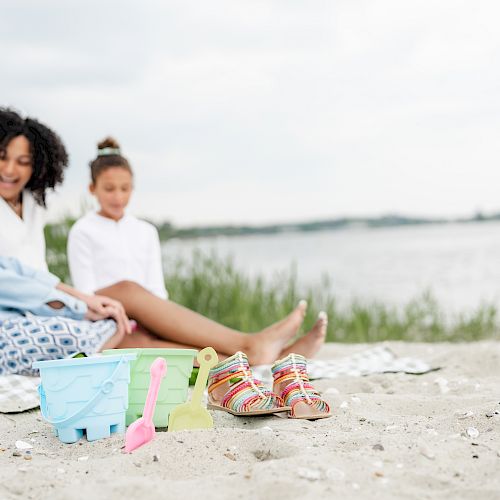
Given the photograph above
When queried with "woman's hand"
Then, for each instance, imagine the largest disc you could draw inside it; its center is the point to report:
(100, 307)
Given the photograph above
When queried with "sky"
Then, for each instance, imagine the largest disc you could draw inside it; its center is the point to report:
(252, 112)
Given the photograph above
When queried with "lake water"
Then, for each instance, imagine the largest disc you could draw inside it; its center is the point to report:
(458, 263)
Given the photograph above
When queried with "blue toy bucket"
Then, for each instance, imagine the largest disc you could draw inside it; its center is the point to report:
(88, 395)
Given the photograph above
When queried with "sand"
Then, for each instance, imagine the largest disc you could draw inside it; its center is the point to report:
(391, 436)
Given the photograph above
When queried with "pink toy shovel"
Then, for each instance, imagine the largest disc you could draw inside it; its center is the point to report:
(142, 431)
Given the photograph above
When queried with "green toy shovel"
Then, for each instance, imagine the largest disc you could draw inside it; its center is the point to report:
(192, 415)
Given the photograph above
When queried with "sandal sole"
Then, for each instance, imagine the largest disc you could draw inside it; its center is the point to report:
(312, 417)
(248, 413)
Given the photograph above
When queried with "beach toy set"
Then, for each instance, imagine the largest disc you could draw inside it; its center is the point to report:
(98, 396)
(101, 395)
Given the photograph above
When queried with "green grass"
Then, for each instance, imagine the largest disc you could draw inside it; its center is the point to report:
(56, 236)
(215, 288)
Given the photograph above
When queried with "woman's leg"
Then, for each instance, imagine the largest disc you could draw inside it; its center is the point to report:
(24, 340)
(174, 323)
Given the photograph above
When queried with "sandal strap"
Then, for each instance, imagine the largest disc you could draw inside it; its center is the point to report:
(222, 380)
(293, 363)
(251, 395)
(235, 366)
(297, 392)
(291, 368)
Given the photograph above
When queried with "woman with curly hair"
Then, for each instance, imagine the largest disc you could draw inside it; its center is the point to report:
(32, 160)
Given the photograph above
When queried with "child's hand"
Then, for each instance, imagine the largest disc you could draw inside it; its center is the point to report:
(100, 307)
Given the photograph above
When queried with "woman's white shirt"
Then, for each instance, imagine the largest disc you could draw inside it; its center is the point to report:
(102, 252)
(23, 238)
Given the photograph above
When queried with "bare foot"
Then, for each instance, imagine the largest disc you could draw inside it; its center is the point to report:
(291, 322)
(311, 342)
(264, 347)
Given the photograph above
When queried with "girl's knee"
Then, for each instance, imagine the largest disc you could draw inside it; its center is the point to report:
(128, 286)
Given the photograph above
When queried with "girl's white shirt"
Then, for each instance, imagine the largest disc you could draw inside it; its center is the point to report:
(23, 238)
(102, 252)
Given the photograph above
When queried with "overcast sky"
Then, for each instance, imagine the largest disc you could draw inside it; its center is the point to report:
(261, 111)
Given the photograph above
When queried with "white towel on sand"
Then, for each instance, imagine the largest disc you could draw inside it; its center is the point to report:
(379, 359)
(18, 393)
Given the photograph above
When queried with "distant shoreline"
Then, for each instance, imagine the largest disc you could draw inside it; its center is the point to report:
(168, 231)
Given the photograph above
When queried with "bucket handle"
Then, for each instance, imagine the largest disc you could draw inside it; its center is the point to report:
(105, 388)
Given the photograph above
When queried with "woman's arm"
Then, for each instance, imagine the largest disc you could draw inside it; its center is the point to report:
(25, 289)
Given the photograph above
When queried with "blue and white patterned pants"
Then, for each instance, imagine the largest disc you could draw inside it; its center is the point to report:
(27, 339)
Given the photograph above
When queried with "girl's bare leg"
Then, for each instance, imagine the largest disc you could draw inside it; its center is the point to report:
(308, 345)
(143, 339)
(174, 323)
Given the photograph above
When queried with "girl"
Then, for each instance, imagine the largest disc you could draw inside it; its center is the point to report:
(162, 323)
(108, 246)
(32, 160)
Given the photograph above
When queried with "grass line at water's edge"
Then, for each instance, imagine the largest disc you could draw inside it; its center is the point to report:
(214, 287)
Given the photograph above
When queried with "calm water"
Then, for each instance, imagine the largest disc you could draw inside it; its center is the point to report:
(459, 263)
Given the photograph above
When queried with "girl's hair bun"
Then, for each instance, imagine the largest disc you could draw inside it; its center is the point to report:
(108, 142)
(108, 155)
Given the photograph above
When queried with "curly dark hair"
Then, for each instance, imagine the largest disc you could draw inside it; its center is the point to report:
(49, 154)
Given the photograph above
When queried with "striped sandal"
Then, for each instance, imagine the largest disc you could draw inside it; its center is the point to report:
(292, 383)
(232, 388)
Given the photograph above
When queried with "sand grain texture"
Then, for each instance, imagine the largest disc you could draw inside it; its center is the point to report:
(392, 436)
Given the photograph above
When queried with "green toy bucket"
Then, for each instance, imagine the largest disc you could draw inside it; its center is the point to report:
(173, 389)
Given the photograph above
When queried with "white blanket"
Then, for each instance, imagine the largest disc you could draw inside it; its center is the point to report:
(378, 359)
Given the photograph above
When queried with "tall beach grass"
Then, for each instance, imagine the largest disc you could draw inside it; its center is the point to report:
(215, 288)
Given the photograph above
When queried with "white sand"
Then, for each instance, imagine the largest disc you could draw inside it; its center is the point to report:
(399, 436)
